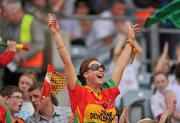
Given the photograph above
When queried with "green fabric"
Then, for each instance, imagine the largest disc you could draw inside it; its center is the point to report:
(8, 115)
(25, 35)
(170, 12)
(79, 82)
(108, 84)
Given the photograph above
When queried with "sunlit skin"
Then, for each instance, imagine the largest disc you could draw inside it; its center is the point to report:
(160, 82)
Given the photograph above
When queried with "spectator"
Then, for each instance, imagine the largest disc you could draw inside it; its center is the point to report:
(23, 28)
(45, 110)
(158, 106)
(13, 99)
(26, 80)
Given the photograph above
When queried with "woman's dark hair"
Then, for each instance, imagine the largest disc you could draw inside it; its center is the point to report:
(84, 68)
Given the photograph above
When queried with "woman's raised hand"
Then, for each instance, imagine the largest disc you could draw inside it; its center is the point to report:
(132, 30)
(53, 24)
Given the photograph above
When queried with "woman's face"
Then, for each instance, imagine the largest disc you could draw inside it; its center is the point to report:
(95, 73)
(25, 83)
(160, 82)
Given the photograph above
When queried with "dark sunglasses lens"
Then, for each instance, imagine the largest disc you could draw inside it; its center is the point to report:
(94, 67)
(103, 67)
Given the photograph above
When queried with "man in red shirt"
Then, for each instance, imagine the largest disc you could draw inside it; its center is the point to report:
(7, 57)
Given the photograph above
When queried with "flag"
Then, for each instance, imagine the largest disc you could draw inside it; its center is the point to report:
(54, 82)
(58, 82)
(5, 116)
(170, 12)
(46, 89)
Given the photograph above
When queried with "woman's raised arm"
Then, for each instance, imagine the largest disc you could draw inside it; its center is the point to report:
(63, 52)
(131, 49)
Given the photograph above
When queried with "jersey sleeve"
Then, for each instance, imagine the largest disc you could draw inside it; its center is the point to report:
(75, 95)
(108, 84)
(6, 57)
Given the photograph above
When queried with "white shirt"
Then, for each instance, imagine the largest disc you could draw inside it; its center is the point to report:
(158, 104)
(26, 111)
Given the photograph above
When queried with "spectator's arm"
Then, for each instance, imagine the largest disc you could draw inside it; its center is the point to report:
(124, 118)
(7, 57)
(163, 58)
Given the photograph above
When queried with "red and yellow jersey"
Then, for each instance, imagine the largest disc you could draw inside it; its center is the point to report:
(91, 107)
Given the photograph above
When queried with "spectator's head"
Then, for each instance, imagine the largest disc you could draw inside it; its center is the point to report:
(35, 95)
(26, 80)
(12, 10)
(177, 72)
(118, 8)
(12, 97)
(147, 120)
(35, 98)
(160, 80)
(81, 7)
(92, 72)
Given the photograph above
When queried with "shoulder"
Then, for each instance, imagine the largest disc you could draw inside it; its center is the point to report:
(34, 118)
(62, 110)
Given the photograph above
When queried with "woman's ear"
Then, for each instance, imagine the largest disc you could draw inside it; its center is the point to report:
(85, 74)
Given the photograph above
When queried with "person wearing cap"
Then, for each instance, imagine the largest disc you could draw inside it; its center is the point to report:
(89, 102)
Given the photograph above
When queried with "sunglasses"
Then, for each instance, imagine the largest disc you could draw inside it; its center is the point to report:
(96, 67)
